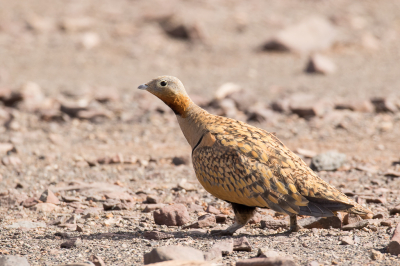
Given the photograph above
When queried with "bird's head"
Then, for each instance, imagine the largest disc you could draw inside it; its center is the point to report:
(171, 91)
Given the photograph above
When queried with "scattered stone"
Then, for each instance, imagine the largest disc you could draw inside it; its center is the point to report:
(117, 205)
(363, 106)
(156, 235)
(89, 40)
(152, 207)
(378, 216)
(376, 255)
(266, 262)
(173, 253)
(96, 260)
(212, 209)
(207, 220)
(225, 247)
(270, 253)
(91, 213)
(45, 207)
(321, 222)
(6, 147)
(381, 200)
(347, 240)
(175, 27)
(11, 160)
(350, 218)
(395, 210)
(49, 197)
(313, 263)
(10, 260)
(183, 184)
(306, 153)
(392, 173)
(320, 64)
(383, 105)
(27, 224)
(328, 161)
(197, 232)
(192, 207)
(241, 244)
(151, 199)
(179, 160)
(30, 202)
(221, 218)
(357, 225)
(394, 245)
(255, 219)
(225, 90)
(172, 215)
(183, 263)
(273, 224)
(72, 243)
(386, 223)
(308, 106)
(310, 35)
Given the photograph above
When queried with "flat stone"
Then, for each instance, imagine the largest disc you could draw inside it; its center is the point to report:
(45, 207)
(207, 220)
(347, 240)
(195, 208)
(221, 218)
(266, 262)
(96, 260)
(152, 207)
(376, 255)
(27, 224)
(274, 224)
(270, 253)
(350, 218)
(310, 35)
(394, 244)
(156, 235)
(10, 260)
(357, 225)
(212, 209)
(320, 64)
(72, 243)
(173, 253)
(225, 247)
(320, 222)
(328, 161)
(241, 244)
(172, 215)
(49, 197)
(183, 263)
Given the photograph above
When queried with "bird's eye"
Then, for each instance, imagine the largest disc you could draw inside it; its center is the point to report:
(163, 83)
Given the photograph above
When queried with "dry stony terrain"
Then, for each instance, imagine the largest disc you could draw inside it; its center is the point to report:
(86, 158)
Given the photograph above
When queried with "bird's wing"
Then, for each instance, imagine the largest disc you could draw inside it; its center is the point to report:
(249, 166)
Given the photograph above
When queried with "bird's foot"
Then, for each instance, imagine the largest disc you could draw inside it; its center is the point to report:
(295, 228)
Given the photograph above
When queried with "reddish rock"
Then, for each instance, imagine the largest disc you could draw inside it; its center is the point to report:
(266, 262)
(394, 245)
(383, 105)
(172, 215)
(207, 220)
(241, 244)
(219, 249)
(321, 222)
(363, 106)
(30, 202)
(308, 106)
(273, 224)
(173, 253)
(211, 209)
(347, 240)
(195, 208)
(152, 207)
(49, 197)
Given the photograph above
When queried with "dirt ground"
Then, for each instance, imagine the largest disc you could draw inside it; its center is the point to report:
(77, 125)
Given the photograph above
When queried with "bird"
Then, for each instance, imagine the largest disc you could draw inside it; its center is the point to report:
(247, 166)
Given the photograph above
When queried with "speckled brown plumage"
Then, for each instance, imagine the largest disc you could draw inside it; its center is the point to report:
(248, 166)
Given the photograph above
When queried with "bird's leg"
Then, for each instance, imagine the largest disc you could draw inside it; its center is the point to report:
(243, 214)
(294, 227)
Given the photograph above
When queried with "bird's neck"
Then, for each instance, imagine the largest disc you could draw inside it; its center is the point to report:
(192, 123)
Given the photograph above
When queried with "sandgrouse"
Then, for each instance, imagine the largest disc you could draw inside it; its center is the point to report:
(248, 166)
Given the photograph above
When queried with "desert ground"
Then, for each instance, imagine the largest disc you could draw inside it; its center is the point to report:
(86, 157)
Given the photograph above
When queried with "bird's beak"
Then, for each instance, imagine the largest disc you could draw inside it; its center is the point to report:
(143, 87)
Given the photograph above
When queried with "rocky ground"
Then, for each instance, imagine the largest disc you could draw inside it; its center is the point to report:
(93, 170)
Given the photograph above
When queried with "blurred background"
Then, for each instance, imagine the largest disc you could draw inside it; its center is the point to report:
(263, 46)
